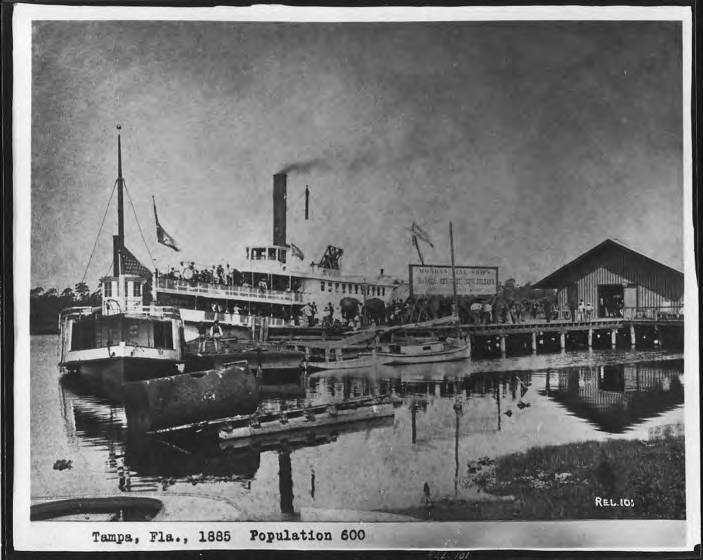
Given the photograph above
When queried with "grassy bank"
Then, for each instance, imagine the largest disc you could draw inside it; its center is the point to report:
(563, 482)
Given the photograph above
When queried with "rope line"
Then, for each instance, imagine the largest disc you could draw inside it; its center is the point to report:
(129, 196)
(98, 235)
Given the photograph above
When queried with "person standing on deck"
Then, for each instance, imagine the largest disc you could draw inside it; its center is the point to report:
(582, 310)
(589, 311)
(202, 337)
(216, 334)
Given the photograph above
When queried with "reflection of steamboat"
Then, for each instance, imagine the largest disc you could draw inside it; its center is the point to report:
(272, 282)
(124, 339)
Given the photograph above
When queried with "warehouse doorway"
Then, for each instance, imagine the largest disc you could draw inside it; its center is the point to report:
(611, 299)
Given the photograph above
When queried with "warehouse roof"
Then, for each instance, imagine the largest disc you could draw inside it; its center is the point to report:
(555, 279)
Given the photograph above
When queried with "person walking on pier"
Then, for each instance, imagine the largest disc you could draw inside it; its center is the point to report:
(547, 305)
(573, 306)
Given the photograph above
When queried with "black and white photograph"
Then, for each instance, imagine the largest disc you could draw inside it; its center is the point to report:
(328, 278)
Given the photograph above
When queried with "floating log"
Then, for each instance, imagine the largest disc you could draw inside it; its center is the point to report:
(190, 397)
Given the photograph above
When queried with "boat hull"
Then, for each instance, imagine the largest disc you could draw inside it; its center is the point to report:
(394, 359)
(106, 377)
(321, 420)
(266, 359)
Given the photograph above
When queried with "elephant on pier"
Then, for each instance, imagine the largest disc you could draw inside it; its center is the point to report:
(375, 310)
(349, 308)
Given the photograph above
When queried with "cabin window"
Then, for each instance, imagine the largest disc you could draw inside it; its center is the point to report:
(383, 291)
(107, 288)
(272, 254)
(282, 255)
(344, 288)
(336, 286)
(322, 286)
(137, 289)
(163, 335)
(356, 288)
(83, 335)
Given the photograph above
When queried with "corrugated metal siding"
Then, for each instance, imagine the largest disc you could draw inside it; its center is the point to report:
(656, 286)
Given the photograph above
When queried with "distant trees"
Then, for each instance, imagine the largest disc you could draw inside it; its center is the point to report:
(45, 305)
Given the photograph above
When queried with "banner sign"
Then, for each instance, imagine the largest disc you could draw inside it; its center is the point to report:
(437, 280)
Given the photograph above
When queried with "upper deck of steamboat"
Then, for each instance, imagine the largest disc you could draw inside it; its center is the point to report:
(270, 275)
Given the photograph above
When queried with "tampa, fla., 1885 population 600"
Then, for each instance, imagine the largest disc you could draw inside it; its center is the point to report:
(357, 271)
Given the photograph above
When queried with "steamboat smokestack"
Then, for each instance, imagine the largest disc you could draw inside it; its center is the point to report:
(279, 208)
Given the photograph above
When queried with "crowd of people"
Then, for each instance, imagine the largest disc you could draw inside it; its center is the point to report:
(215, 274)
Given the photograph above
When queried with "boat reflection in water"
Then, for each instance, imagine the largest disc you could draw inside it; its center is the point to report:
(447, 416)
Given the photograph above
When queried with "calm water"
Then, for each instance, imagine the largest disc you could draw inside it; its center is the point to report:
(384, 465)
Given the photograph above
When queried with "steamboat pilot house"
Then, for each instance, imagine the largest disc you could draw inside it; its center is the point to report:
(125, 338)
(270, 282)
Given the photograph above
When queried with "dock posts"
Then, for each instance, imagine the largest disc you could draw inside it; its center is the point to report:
(502, 345)
(633, 337)
(613, 338)
(562, 341)
(534, 342)
(590, 338)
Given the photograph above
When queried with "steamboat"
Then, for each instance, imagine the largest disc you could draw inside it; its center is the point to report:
(271, 287)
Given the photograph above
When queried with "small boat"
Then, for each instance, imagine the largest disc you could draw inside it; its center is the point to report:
(125, 338)
(118, 508)
(262, 356)
(386, 347)
(310, 417)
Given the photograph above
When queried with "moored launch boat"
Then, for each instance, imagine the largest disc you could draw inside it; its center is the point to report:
(125, 338)
(310, 417)
(386, 347)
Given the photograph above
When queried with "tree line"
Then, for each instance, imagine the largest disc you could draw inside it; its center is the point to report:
(45, 305)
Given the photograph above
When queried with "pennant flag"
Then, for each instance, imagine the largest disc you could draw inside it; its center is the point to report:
(296, 251)
(421, 234)
(161, 235)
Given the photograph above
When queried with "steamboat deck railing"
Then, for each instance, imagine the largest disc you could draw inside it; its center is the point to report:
(223, 291)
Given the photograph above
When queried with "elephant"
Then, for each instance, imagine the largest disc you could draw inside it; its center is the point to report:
(375, 310)
(349, 307)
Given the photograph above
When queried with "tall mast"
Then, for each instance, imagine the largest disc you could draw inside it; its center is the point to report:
(118, 240)
(456, 300)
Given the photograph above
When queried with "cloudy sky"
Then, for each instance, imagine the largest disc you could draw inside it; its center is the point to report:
(538, 140)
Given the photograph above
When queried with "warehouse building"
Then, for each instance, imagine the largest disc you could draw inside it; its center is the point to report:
(618, 282)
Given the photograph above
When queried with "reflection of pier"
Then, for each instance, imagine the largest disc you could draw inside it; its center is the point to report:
(615, 397)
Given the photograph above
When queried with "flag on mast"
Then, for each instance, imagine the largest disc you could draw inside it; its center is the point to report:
(161, 235)
(296, 251)
(421, 234)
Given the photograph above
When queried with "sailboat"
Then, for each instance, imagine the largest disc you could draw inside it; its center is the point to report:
(125, 338)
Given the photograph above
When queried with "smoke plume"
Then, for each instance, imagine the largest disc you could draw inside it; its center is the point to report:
(305, 166)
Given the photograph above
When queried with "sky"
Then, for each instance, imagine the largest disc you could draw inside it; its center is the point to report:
(537, 140)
